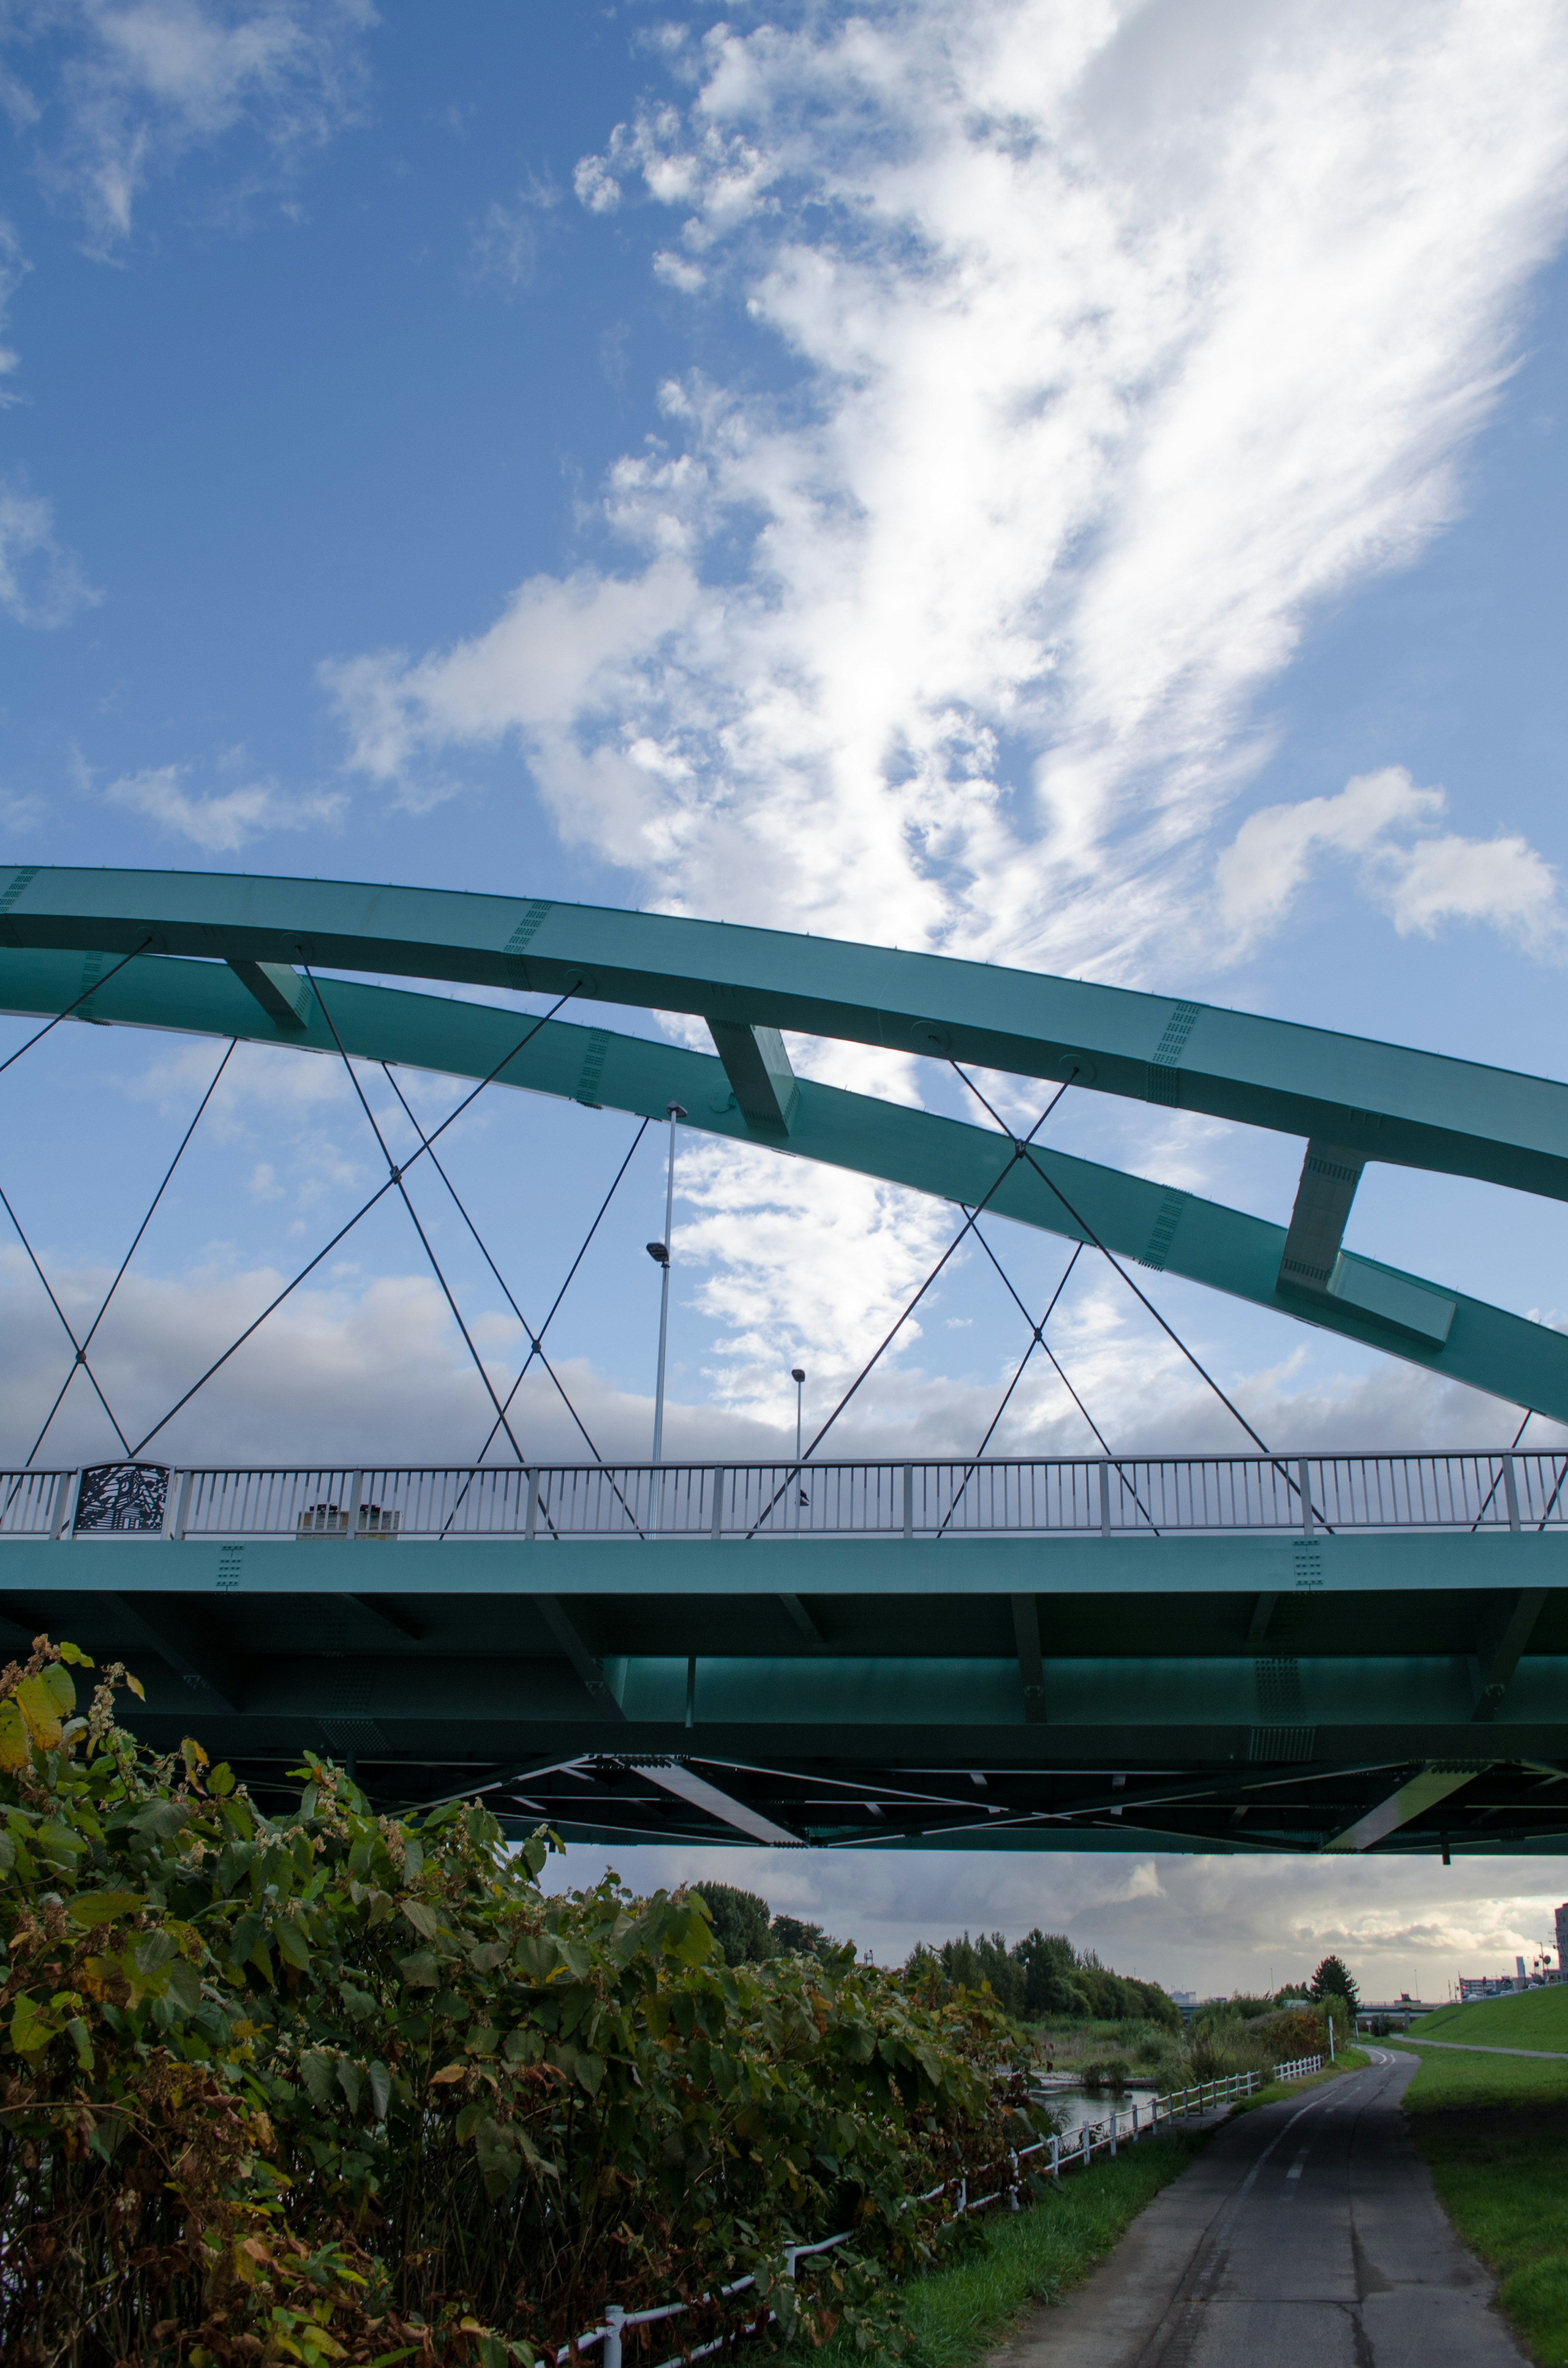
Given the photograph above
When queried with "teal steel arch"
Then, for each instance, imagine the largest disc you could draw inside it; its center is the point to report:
(221, 956)
(1109, 1689)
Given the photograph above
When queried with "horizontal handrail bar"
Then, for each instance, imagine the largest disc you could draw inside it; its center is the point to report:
(1123, 1496)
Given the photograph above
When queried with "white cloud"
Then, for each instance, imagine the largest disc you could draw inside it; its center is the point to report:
(504, 243)
(138, 83)
(220, 824)
(41, 582)
(1117, 338)
(1210, 1924)
(1382, 823)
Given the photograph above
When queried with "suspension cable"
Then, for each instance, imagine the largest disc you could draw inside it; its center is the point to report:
(1169, 1329)
(560, 1295)
(379, 1193)
(1088, 1231)
(125, 1262)
(82, 998)
(1036, 1341)
(70, 1335)
(1106, 1448)
(395, 1173)
(534, 1342)
(1020, 1151)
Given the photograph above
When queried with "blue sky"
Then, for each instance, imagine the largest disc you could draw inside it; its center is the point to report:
(1079, 485)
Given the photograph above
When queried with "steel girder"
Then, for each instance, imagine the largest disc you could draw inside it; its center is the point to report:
(1416, 1109)
(1156, 1225)
(1179, 1693)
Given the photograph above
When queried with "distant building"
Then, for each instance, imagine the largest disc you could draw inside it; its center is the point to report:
(1562, 1938)
(1190, 1998)
(1486, 1985)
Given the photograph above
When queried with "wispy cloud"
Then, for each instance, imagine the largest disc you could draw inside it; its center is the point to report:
(1115, 340)
(504, 243)
(1385, 825)
(41, 582)
(228, 819)
(126, 87)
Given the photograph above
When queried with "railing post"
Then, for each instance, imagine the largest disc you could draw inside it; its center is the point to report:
(1055, 2155)
(609, 2351)
(531, 1478)
(909, 1500)
(1306, 1497)
(60, 1501)
(1511, 1492)
(716, 1527)
(178, 1505)
(790, 2253)
(963, 2192)
(72, 1493)
(1134, 2121)
(1013, 2190)
(356, 1481)
(1105, 1498)
(1114, 2117)
(1089, 2146)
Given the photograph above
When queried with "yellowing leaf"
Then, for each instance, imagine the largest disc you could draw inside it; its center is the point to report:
(137, 1688)
(14, 1750)
(40, 1712)
(78, 1659)
(448, 2072)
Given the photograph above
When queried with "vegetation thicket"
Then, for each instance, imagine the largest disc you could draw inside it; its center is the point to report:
(328, 2086)
(1040, 1978)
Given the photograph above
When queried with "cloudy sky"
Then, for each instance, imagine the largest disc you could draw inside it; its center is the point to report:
(1070, 482)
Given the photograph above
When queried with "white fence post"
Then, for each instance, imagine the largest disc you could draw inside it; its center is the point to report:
(1055, 2155)
(611, 2351)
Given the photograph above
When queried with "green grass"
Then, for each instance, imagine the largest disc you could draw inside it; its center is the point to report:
(1494, 2132)
(1531, 2018)
(1030, 2257)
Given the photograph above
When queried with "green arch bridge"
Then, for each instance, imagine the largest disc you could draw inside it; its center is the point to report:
(1259, 1651)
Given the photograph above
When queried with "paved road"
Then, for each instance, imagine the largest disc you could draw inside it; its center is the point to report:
(1479, 2047)
(1307, 2235)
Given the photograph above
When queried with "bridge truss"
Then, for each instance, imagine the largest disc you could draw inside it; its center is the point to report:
(1261, 1651)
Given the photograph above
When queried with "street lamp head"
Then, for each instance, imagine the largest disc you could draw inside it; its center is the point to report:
(658, 1253)
(673, 1109)
(796, 1374)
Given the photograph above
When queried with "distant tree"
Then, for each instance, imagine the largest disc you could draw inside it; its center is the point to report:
(1331, 1980)
(743, 1924)
(793, 1938)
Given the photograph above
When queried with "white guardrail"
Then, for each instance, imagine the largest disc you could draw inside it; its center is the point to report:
(1094, 2137)
(1135, 1496)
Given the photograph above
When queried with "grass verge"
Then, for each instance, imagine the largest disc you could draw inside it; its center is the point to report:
(1033, 2255)
(1530, 2019)
(1494, 2131)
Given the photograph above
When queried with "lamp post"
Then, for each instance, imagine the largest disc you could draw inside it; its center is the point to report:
(660, 1253)
(797, 1375)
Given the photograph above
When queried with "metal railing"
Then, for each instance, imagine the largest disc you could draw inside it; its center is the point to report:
(1093, 2138)
(1083, 1496)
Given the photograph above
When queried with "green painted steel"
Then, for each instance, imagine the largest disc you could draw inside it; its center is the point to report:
(1221, 1693)
(1412, 1108)
(1155, 1224)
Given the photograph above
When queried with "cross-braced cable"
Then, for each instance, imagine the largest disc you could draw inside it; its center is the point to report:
(1020, 1151)
(379, 1194)
(96, 987)
(125, 1262)
(395, 1174)
(1142, 1296)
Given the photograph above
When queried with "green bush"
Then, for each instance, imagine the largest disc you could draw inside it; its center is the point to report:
(331, 2085)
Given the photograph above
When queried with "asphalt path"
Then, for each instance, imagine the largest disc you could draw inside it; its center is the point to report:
(1306, 2234)
(1483, 2048)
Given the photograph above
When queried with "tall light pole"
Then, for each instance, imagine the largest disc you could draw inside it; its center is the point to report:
(798, 1376)
(660, 1253)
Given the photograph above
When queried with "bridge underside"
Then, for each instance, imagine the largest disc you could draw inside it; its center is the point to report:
(1383, 1694)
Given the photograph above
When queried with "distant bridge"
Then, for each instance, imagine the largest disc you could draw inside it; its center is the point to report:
(1260, 1651)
